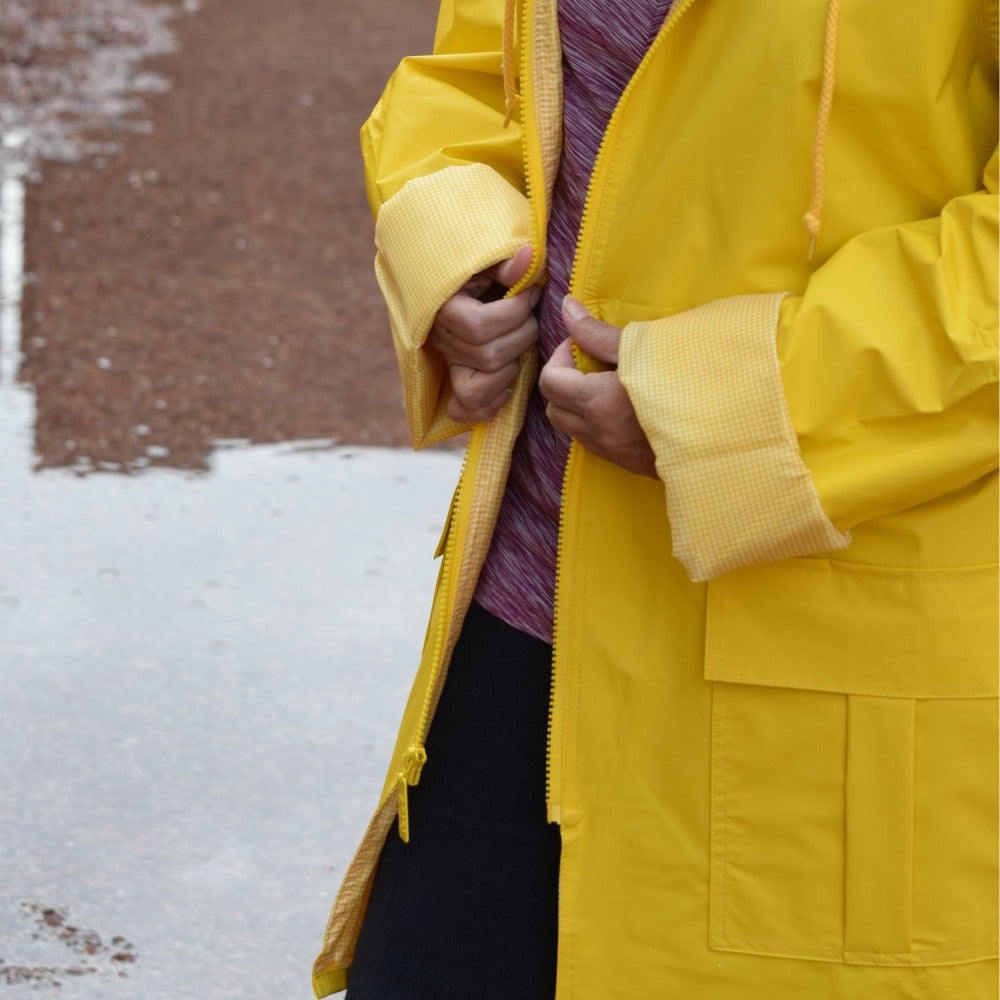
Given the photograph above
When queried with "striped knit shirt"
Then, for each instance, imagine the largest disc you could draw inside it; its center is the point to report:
(603, 44)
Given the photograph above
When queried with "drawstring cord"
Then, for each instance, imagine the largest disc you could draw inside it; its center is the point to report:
(814, 213)
(512, 98)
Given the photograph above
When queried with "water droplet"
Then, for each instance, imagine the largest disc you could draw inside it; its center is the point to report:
(104, 364)
(220, 646)
(157, 451)
(141, 430)
(197, 602)
(240, 244)
(38, 342)
(108, 573)
(10, 601)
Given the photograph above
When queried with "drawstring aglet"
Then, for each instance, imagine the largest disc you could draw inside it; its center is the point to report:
(812, 221)
(513, 105)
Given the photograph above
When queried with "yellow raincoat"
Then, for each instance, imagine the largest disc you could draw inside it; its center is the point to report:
(773, 746)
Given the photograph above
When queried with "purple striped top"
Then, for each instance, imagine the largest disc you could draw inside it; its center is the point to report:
(603, 44)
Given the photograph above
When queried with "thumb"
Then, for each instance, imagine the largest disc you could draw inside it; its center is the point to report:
(509, 272)
(600, 340)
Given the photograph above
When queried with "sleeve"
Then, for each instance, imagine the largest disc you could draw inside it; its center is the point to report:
(445, 181)
(779, 422)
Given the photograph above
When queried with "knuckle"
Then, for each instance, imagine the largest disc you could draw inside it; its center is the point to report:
(471, 394)
(493, 357)
(477, 328)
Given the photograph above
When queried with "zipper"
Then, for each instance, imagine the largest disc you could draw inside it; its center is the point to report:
(559, 696)
(416, 756)
(531, 154)
(677, 11)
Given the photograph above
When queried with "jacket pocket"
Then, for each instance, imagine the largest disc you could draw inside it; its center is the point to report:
(854, 763)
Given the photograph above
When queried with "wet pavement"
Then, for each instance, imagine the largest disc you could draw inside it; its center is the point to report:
(201, 678)
(202, 662)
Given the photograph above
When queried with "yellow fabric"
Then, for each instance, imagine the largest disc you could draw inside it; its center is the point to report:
(706, 386)
(427, 236)
(730, 761)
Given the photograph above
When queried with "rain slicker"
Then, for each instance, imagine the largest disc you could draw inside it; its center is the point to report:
(773, 726)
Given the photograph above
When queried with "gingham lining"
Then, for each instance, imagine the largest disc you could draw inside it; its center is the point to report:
(706, 386)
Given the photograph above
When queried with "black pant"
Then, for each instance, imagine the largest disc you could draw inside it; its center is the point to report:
(467, 910)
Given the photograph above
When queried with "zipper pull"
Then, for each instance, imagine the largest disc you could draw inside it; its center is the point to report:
(413, 763)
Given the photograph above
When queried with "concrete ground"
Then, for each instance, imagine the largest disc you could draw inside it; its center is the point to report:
(204, 643)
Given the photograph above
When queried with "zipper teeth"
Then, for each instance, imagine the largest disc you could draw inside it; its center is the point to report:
(551, 805)
(444, 622)
(440, 639)
(530, 167)
(676, 12)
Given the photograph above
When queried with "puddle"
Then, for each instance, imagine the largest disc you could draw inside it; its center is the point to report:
(203, 672)
(194, 666)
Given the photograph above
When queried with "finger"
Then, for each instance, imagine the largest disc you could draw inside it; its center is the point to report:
(565, 387)
(567, 421)
(478, 285)
(490, 356)
(509, 272)
(464, 318)
(473, 415)
(551, 384)
(600, 340)
(625, 445)
(562, 356)
(475, 389)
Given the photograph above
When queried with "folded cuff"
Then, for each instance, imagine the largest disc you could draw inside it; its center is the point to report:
(706, 387)
(431, 237)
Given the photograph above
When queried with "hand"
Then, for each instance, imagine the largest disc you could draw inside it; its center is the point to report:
(594, 408)
(481, 336)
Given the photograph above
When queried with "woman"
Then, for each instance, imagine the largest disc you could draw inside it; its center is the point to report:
(747, 510)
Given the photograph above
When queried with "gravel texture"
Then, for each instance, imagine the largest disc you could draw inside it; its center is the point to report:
(200, 269)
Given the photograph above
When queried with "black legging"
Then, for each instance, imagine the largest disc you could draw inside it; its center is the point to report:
(467, 910)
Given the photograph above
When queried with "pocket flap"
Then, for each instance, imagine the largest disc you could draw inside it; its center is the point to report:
(827, 625)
